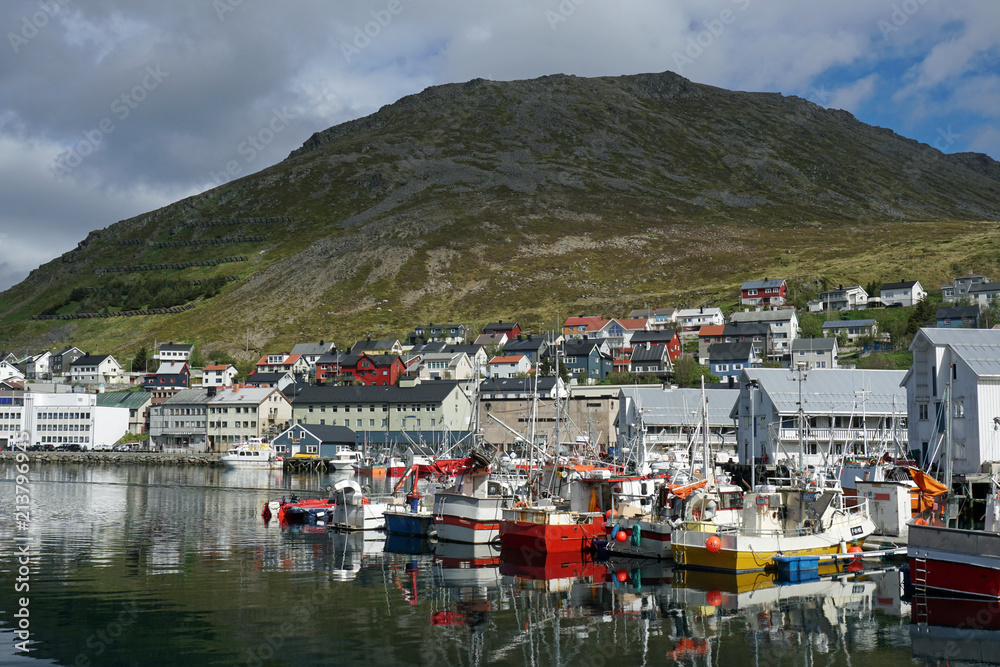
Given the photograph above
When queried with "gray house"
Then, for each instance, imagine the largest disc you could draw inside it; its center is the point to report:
(322, 441)
(809, 353)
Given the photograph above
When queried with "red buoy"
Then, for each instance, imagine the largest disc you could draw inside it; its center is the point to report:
(621, 575)
(621, 536)
(714, 598)
(713, 544)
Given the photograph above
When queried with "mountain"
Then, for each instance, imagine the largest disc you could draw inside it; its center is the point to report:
(528, 200)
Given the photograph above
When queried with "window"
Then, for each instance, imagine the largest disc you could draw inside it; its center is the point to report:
(922, 411)
(960, 408)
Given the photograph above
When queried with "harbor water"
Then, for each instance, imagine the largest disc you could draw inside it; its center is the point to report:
(159, 565)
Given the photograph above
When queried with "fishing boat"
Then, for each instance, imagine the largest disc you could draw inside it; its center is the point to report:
(354, 510)
(796, 519)
(345, 459)
(311, 511)
(254, 453)
(650, 535)
(471, 509)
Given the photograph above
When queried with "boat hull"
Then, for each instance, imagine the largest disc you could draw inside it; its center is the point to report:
(536, 530)
(461, 518)
(654, 539)
(954, 560)
(408, 523)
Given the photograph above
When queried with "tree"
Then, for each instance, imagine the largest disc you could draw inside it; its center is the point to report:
(990, 314)
(923, 315)
(197, 359)
(140, 362)
(688, 372)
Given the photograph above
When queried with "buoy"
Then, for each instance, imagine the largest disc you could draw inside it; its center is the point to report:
(607, 515)
(713, 544)
(621, 536)
(714, 598)
(621, 575)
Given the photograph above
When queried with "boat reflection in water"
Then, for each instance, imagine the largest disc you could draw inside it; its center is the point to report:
(955, 629)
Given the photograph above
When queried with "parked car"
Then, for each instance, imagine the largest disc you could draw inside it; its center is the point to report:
(71, 447)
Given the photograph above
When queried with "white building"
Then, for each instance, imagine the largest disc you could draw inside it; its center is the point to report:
(174, 352)
(182, 420)
(967, 360)
(670, 417)
(63, 419)
(238, 414)
(445, 366)
(218, 375)
(903, 293)
(510, 366)
(38, 367)
(9, 371)
(845, 411)
(843, 298)
(691, 319)
(96, 369)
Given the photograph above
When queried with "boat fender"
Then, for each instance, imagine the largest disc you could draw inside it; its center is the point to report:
(519, 504)
(266, 514)
(636, 535)
(614, 531)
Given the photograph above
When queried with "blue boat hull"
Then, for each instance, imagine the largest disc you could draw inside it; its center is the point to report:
(407, 523)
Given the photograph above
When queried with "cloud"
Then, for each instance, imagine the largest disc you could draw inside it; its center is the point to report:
(850, 97)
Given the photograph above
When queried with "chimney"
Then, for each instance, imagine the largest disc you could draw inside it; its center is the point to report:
(211, 391)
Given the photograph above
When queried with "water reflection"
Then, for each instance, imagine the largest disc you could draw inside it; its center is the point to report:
(212, 584)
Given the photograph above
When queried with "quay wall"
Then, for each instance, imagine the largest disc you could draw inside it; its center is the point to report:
(115, 458)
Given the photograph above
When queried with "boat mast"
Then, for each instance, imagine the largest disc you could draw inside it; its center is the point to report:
(948, 448)
(709, 468)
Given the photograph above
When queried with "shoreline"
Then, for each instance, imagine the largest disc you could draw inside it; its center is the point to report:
(117, 458)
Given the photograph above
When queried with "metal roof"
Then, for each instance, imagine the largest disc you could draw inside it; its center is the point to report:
(681, 406)
(842, 324)
(833, 391)
(762, 284)
(780, 315)
(133, 400)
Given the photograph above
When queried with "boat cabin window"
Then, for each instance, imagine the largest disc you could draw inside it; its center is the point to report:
(732, 501)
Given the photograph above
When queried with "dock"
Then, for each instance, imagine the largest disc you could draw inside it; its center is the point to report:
(803, 568)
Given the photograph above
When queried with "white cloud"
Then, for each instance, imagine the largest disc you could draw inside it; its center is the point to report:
(850, 97)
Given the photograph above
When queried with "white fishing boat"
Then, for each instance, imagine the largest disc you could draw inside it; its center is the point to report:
(345, 459)
(254, 453)
(354, 510)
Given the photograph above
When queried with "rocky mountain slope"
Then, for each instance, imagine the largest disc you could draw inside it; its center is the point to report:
(527, 199)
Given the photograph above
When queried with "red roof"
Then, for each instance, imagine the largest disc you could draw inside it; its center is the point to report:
(512, 359)
(589, 322)
(634, 323)
(711, 330)
(217, 367)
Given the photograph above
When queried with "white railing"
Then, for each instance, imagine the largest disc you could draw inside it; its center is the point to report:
(842, 435)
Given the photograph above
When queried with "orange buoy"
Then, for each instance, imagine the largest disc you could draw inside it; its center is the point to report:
(621, 536)
(713, 544)
(621, 575)
(714, 598)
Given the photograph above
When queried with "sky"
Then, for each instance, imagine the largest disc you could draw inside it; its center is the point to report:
(111, 108)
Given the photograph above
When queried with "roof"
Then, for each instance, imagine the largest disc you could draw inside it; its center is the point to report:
(842, 324)
(906, 284)
(133, 400)
(581, 347)
(427, 392)
(633, 324)
(652, 312)
(979, 348)
(244, 396)
(592, 323)
(265, 378)
(711, 329)
(773, 315)
(170, 368)
(342, 358)
(327, 433)
(188, 397)
(500, 326)
(176, 347)
(827, 344)
(511, 359)
(516, 385)
(91, 360)
(726, 351)
(490, 339)
(381, 344)
(532, 343)
(746, 329)
(653, 353)
(762, 284)
(66, 350)
(835, 391)
(984, 287)
(383, 360)
(682, 406)
(217, 367)
(957, 312)
(313, 348)
(443, 356)
(289, 359)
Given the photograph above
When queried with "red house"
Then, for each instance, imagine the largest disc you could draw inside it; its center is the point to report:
(377, 369)
(763, 293)
(666, 337)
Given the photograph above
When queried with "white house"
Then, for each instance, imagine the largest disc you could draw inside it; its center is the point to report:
(984, 293)
(174, 352)
(853, 329)
(959, 288)
(689, 320)
(9, 371)
(509, 366)
(219, 375)
(854, 297)
(810, 353)
(95, 369)
(236, 415)
(39, 366)
(445, 366)
(903, 293)
(968, 362)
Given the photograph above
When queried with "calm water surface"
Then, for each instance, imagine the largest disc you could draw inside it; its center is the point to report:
(173, 566)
